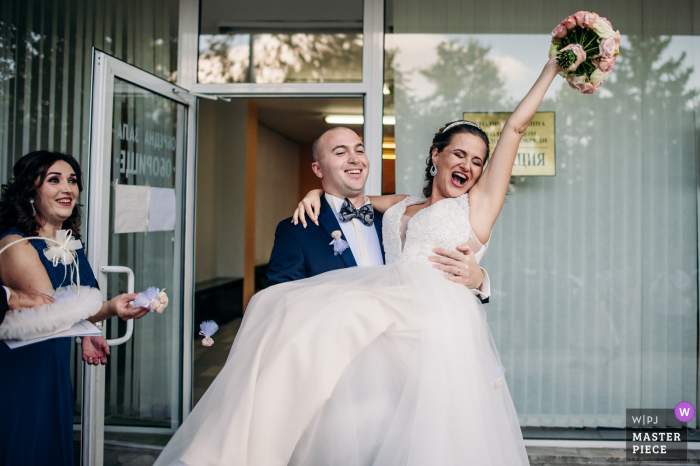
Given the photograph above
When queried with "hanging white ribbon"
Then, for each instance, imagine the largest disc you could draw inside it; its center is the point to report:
(62, 252)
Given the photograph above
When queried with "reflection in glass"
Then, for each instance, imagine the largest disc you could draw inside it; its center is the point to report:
(280, 58)
(593, 271)
(142, 378)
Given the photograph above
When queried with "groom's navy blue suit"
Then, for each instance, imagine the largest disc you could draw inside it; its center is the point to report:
(304, 252)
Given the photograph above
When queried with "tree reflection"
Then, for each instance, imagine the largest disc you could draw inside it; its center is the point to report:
(463, 78)
(282, 58)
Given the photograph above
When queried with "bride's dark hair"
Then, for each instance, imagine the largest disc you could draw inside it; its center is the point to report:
(443, 138)
(29, 173)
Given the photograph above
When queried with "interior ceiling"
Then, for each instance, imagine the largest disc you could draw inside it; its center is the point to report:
(302, 120)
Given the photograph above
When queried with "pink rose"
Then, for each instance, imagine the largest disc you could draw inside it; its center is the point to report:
(581, 18)
(616, 37)
(591, 18)
(586, 18)
(608, 47)
(588, 88)
(605, 64)
(569, 23)
(559, 31)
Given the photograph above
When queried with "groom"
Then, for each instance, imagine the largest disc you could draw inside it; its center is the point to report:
(342, 165)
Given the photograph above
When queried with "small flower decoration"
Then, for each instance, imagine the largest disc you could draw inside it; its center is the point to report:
(207, 329)
(62, 251)
(338, 243)
(153, 298)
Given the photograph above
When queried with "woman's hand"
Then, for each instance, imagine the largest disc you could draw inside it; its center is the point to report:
(95, 350)
(578, 51)
(121, 306)
(311, 206)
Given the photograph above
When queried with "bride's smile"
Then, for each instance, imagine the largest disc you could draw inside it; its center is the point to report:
(459, 165)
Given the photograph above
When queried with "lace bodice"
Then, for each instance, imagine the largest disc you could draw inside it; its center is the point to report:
(445, 224)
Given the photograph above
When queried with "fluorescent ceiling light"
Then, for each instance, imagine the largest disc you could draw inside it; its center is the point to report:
(386, 90)
(388, 145)
(345, 119)
(355, 120)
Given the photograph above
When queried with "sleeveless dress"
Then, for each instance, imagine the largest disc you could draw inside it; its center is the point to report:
(388, 365)
(36, 396)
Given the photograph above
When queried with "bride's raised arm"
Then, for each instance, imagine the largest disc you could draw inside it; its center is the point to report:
(489, 193)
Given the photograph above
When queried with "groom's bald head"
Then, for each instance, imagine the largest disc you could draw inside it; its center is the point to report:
(319, 147)
(340, 162)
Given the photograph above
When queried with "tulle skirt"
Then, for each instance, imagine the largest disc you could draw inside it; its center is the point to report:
(389, 365)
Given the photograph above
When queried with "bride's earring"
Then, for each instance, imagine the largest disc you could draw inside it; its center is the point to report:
(433, 170)
(31, 201)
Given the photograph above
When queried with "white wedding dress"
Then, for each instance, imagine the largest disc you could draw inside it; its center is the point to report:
(389, 365)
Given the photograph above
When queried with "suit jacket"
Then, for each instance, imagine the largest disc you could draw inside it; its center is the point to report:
(304, 252)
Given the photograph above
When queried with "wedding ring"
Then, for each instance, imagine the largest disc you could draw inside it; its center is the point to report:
(458, 271)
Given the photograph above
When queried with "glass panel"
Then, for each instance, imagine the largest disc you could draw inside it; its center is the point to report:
(46, 74)
(143, 376)
(594, 270)
(46, 66)
(306, 41)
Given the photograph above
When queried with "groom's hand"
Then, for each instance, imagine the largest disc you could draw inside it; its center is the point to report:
(461, 264)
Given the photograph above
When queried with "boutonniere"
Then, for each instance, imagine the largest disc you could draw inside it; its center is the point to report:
(338, 243)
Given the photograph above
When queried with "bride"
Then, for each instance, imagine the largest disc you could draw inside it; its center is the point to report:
(385, 365)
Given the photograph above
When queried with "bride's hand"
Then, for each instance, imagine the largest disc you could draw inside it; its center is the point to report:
(579, 52)
(311, 206)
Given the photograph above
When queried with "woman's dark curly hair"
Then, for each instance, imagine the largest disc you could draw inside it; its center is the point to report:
(442, 139)
(29, 174)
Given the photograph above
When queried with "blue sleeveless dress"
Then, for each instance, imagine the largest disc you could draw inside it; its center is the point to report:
(36, 396)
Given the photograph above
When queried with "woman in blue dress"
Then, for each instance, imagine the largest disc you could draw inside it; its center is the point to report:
(36, 398)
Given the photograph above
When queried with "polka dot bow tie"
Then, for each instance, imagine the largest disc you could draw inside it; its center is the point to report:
(365, 214)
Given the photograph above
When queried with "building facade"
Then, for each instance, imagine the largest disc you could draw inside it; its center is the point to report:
(594, 269)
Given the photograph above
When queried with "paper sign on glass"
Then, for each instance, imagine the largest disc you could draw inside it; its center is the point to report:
(161, 215)
(131, 208)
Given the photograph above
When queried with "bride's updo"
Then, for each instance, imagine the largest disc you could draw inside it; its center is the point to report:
(443, 138)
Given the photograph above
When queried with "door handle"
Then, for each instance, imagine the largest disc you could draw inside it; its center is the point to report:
(129, 289)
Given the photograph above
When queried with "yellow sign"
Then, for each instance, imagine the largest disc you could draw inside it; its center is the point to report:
(536, 150)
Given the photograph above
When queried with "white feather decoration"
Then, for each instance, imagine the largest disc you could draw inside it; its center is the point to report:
(71, 305)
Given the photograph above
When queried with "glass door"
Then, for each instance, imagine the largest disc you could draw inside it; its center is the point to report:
(141, 191)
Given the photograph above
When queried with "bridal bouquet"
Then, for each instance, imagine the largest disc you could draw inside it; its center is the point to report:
(600, 42)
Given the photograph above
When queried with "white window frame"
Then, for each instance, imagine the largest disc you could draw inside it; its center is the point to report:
(370, 89)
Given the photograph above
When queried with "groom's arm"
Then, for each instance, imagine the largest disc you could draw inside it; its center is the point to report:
(483, 292)
(287, 258)
(462, 267)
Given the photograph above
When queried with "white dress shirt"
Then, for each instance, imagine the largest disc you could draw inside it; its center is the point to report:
(363, 240)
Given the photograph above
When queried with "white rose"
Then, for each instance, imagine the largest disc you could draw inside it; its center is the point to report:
(602, 28)
(597, 77)
(553, 49)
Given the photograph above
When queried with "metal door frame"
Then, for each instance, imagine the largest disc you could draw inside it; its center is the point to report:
(105, 69)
